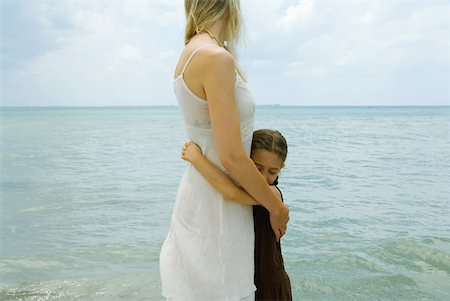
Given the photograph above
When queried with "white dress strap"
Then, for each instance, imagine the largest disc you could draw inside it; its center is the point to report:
(192, 55)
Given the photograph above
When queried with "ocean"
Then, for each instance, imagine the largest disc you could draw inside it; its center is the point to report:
(87, 194)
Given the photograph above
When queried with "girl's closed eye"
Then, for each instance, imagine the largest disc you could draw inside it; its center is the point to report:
(268, 163)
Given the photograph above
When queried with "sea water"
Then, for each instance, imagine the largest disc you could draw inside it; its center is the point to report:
(87, 194)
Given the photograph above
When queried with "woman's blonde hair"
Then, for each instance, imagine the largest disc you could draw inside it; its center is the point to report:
(201, 14)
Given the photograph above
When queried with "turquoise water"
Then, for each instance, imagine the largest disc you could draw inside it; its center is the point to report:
(87, 193)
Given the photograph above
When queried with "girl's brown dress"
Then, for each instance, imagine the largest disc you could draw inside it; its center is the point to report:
(271, 279)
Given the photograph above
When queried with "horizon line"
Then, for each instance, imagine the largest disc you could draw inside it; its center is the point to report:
(258, 105)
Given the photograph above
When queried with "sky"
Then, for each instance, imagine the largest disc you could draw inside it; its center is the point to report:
(295, 52)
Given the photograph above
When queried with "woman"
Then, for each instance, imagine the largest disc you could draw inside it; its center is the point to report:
(208, 252)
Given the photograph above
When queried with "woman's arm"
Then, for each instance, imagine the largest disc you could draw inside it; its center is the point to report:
(219, 80)
(215, 176)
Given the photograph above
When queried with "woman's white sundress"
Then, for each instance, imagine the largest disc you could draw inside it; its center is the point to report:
(208, 253)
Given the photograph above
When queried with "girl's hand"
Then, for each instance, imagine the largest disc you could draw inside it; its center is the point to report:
(191, 152)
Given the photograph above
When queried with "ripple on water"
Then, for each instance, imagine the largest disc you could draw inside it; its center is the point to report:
(414, 255)
(133, 285)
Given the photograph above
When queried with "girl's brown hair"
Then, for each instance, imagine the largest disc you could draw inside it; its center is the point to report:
(271, 141)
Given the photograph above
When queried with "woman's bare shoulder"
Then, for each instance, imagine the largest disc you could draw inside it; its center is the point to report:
(217, 58)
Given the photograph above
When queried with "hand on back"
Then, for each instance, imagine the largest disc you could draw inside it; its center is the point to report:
(190, 152)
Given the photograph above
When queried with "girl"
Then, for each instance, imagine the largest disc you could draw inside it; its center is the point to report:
(268, 152)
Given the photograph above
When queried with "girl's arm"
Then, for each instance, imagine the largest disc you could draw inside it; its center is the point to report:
(215, 176)
(219, 83)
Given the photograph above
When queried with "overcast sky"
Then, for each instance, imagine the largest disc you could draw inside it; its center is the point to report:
(297, 52)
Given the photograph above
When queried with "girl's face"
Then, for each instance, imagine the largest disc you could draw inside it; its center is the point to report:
(268, 163)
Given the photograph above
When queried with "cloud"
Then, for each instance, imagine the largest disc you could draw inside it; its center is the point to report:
(299, 52)
(131, 53)
(93, 52)
(297, 15)
(27, 31)
(344, 43)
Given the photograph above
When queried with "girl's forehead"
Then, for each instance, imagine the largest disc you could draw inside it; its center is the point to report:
(269, 158)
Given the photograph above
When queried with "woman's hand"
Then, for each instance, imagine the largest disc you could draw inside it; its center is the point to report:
(191, 152)
(279, 220)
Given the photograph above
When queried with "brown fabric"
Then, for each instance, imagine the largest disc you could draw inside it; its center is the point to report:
(280, 291)
(271, 279)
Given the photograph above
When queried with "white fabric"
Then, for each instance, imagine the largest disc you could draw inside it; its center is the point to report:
(208, 252)
(248, 298)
